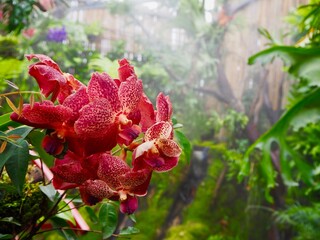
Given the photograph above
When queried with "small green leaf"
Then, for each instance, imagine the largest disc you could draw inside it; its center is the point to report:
(21, 131)
(303, 62)
(62, 225)
(133, 218)
(5, 122)
(10, 220)
(6, 236)
(17, 165)
(108, 217)
(35, 138)
(129, 231)
(49, 191)
(92, 214)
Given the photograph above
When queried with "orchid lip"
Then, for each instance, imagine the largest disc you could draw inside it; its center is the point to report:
(122, 195)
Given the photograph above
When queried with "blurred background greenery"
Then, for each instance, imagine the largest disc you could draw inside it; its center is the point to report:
(254, 130)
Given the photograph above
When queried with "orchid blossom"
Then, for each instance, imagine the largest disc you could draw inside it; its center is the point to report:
(87, 122)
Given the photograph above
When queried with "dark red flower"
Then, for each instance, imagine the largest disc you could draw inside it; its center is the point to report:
(158, 151)
(51, 79)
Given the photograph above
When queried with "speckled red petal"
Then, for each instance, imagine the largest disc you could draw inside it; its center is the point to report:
(168, 164)
(168, 147)
(110, 168)
(46, 114)
(147, 113)
(130, 93)
(125, 70)
(98, 189)
(44, 60)
(164, 108)
(77, 100)
(48, 78)
(96, 119)
(70, 172)
(158, 130)
(136, 182)
(101, 85)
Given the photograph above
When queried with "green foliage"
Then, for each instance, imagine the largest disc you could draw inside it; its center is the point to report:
(303, 220)
(302, 62)
(15, 157)
(108, 217)
(17, 14)
(189, 231)
(277, 134)
(20, 211)
(185, 145)
(306, 23)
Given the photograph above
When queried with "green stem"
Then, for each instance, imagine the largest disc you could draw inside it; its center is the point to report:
(19, 92)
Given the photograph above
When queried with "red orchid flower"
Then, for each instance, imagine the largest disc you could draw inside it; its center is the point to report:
(101, 176)
(89, 121)
(51, 79)
(158, 152)
(58, 119)
(112, 114)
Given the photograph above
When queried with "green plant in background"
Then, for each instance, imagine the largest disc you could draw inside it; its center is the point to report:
(289, 149)
(16, 14)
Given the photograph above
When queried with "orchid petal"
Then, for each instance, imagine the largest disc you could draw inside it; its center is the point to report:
(129, 205)
(164, 108)
(77, 100)
(147, 113)
(48, 78)
(96, 119)
(87, 198)
(125, 70)
(137, 182)
(44, 60)
(127, 135)
(44, 115)
(98, 189)
(130, 93)
(103, 86)
(70, 172)
(168, 147)
(141, 149)
(110, 168)
(158, 130)
(168, 164)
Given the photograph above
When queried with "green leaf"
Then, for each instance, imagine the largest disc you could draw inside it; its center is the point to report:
(184, 143)
(92, 214)
(49, 191)
(303, 62)
(304, 117)
(22, 131)
(6, 236)
(129, 231)
(10, 220)
(133, 218)
(17, 165)
(108, 217)
(5, 122)
(63, 226)
(35, 138)
(277, 134)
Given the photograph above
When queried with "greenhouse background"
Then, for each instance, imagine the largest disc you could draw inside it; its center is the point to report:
(243, 79)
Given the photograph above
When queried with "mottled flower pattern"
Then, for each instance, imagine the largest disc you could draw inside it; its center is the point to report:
(91, 127)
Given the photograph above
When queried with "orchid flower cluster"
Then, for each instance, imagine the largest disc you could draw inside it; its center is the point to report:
(90, 129)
